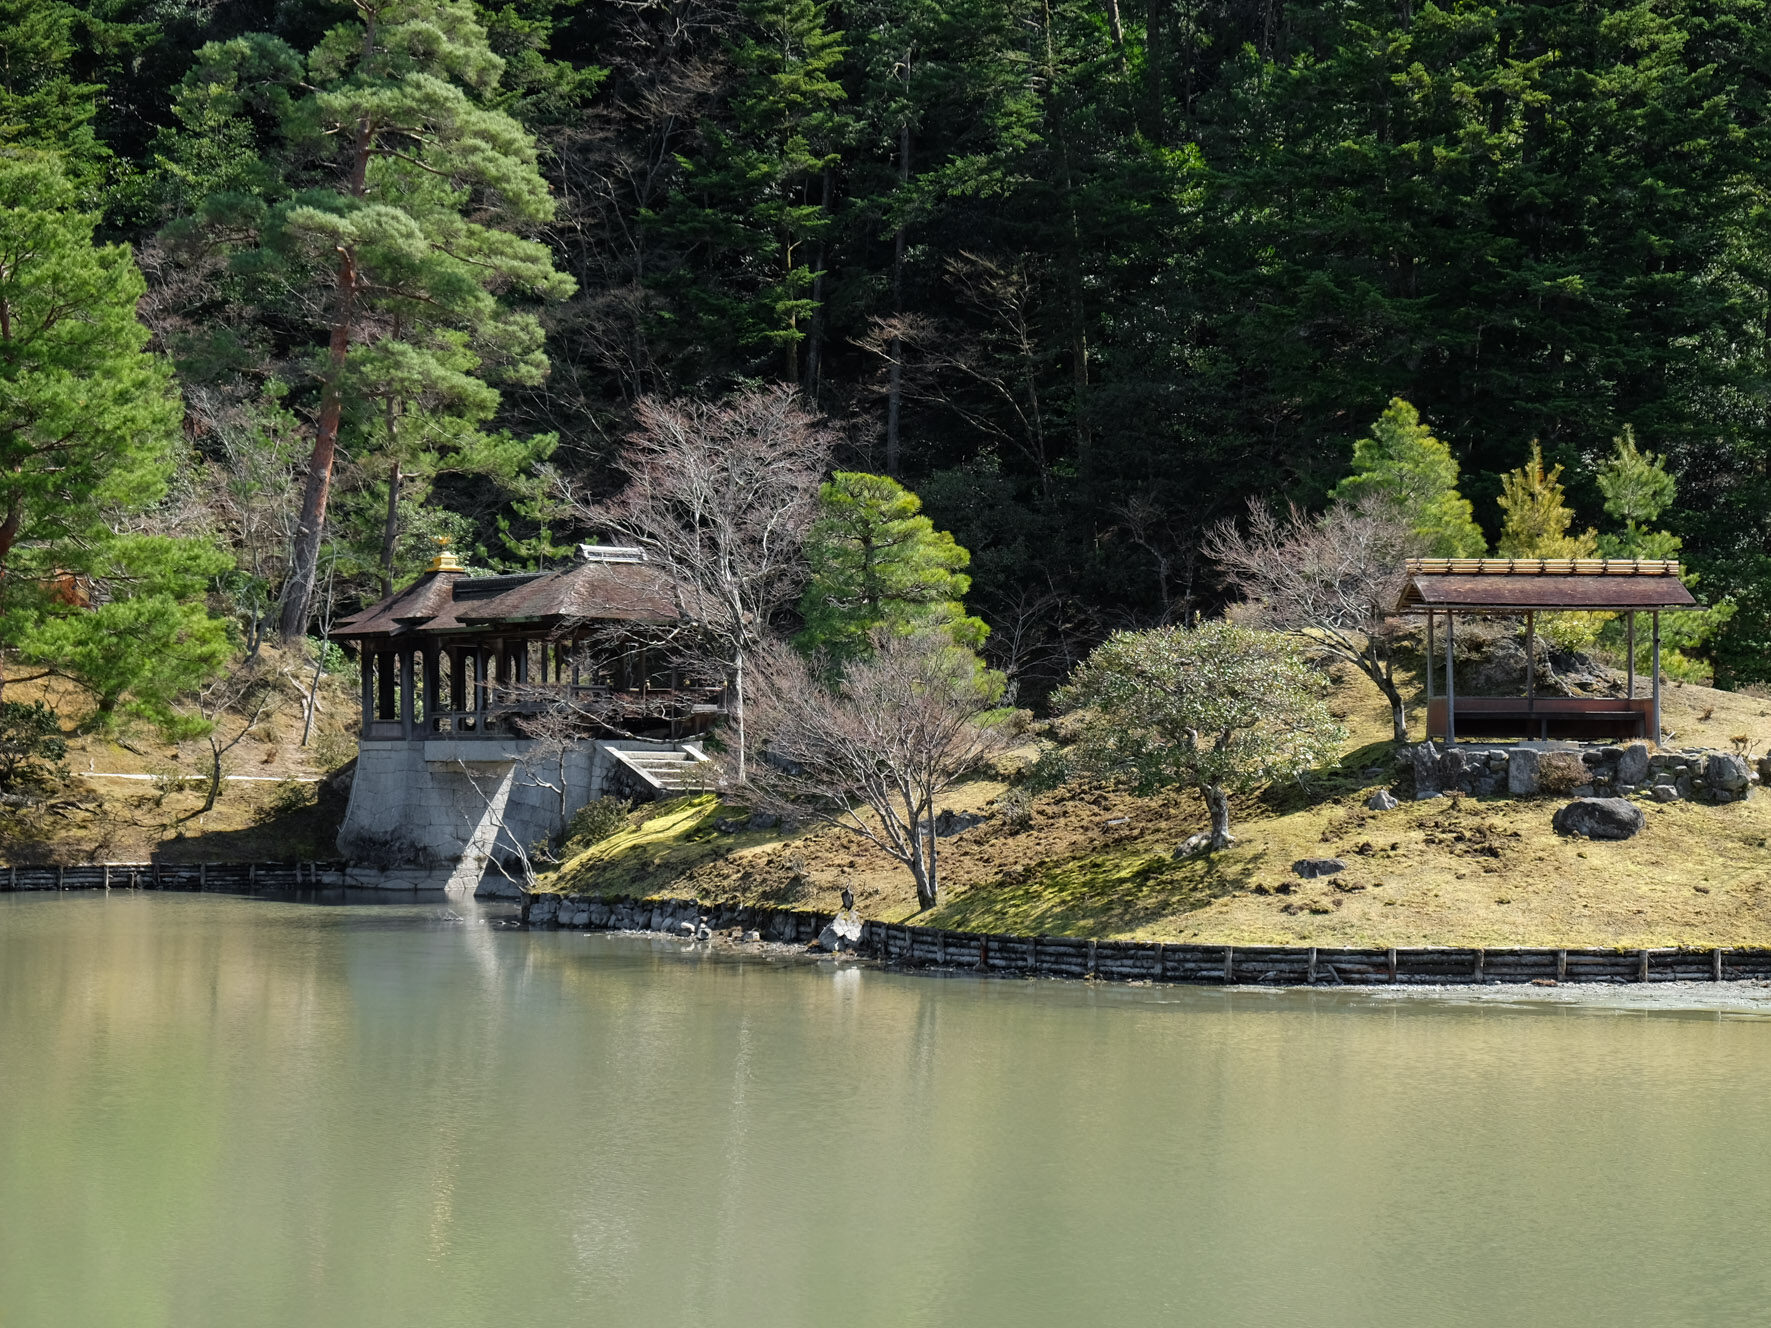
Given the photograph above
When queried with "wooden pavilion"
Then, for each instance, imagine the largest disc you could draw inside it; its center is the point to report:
(1528, 587)
(478, 656)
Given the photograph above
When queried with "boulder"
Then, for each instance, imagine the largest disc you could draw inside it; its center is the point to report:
(1726, 773)
(1632, 764)
(1382, 801)
(1600, 818)
(1310, 868)
(1426, 771)
(843, 932)
(1454, 766)
(1522, 772)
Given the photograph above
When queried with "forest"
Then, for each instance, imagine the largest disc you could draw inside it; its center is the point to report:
(1086, 276)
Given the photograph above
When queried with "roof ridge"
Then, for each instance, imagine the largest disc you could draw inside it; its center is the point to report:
(1542, 566)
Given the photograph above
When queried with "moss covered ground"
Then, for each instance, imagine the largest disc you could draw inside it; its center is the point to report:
(1099, 861)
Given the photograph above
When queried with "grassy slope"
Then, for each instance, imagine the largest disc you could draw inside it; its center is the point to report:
(95, 820)
(1097, 862)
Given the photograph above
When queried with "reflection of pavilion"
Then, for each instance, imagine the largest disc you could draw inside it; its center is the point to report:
(1528, 587)
(496, 706)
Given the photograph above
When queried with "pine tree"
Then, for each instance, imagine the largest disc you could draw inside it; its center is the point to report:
(41, 105)
(1637, 489)
(750, 207)
(406, 234)
(1537, 515)
(1405, 464)
(877, 564)
(88, 426)
(1537, 518)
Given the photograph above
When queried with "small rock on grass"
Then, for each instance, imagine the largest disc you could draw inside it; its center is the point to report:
(1382, 801)
(1310, 868)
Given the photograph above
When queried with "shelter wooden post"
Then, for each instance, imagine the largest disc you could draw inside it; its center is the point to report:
(1430, 665)
(1530, 663)
(1450, 679)
(1657, 677)
(366, 666)
(1629, 631)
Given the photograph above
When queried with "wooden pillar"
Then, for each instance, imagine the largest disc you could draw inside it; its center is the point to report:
(406, 697)
(384, 685)
(1450, 679)
(482, 687)
(1656, 666)
(459, 699)
(433, 686)
(366, 666)
(1629, 631)
(521, 650)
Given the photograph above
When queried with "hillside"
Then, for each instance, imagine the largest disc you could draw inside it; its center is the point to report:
(1099, 862)
(274, 809)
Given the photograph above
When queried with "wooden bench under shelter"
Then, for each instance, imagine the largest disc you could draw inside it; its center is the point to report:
(1528, 587)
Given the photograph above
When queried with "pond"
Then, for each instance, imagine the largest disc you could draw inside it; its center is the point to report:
(229, 1111)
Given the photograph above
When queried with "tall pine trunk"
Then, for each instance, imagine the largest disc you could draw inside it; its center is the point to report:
(304, 555)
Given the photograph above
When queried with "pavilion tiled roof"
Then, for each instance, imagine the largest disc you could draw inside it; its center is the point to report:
(445, 601)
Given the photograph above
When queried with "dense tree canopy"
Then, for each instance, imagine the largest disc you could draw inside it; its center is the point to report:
(1084, 276)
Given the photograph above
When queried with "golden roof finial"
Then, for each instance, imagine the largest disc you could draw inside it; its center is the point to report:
(444, 561)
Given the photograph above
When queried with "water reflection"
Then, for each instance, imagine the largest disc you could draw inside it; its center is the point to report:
(227, 1111)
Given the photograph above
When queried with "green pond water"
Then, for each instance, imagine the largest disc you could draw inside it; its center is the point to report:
(223, 1111)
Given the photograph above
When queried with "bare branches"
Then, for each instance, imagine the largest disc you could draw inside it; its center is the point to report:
(1334, 580)
(873, 754)
(720, 497)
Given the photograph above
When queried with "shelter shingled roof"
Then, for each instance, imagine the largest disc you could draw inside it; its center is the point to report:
(1515, 585)
(445, 601)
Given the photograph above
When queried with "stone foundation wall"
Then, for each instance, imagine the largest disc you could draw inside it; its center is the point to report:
(460, 806)
(1621, 770)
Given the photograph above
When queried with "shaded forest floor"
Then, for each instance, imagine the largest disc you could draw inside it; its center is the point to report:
(281, 813)
(1099, 862)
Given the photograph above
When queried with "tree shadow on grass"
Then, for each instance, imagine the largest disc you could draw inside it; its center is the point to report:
(286, 829)
(1100, 894)
(1347, 776)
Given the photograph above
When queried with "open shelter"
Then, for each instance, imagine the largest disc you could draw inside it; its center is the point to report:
(1446, 587)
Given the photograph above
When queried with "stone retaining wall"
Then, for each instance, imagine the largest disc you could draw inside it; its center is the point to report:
(1620, 770)
(1146, 961)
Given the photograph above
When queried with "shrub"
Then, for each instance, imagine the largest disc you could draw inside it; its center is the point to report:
(1015, 807)
(1560, 773)
(1052, 769)
(31, 745)
(596, 820)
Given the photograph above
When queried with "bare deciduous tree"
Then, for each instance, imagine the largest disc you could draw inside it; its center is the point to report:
(720, 496)
(872, 754)
(241, 695)
(1333, 580)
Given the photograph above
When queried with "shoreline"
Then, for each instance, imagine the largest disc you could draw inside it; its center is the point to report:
(1395, 968)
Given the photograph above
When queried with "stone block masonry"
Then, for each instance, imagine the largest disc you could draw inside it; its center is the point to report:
(1617, 771)
(458, 806)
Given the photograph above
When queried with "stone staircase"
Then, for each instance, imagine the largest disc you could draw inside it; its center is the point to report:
(668, 771)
